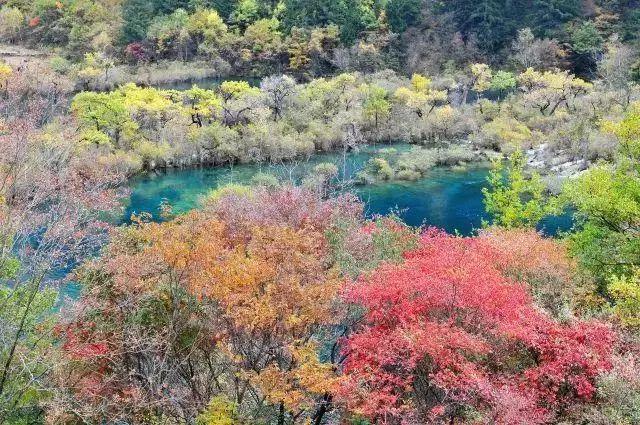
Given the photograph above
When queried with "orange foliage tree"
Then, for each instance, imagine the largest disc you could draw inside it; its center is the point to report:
(214, 303)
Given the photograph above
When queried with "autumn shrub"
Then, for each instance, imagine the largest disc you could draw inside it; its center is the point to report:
(455, 155)
(543, 263)
(53, 199)
(228, 190)
(447, 336)
(283, 120)
(267, 180)
(504, 133)
(618, 394)
(375, 170)
(446, 124)
(288, 206)
(414, 163)
(625, 293)
(219, 412)
(322, 179)
(359, 248)
(230, 304)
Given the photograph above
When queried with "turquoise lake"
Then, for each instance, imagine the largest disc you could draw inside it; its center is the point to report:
(450, 199)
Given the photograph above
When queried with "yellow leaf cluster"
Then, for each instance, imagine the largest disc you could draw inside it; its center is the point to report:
(271, 288)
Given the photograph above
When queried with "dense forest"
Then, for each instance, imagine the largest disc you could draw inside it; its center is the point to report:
(281, 299)
(313, 38)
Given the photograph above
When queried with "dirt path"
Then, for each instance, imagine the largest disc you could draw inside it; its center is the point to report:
(18, 55)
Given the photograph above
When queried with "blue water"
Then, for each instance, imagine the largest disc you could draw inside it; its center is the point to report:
(450, 199)
(206, 83)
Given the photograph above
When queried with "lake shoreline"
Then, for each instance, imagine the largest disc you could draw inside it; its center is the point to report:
(205, 161)
(445, 197)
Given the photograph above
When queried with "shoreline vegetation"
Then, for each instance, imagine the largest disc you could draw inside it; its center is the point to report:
(378, 108)
(156, 74)
(142, 127)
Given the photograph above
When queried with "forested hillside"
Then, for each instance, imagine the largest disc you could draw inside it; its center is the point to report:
(323, 36)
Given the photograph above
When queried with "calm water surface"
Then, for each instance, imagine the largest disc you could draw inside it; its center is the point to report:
(450, 199)
(206, 83)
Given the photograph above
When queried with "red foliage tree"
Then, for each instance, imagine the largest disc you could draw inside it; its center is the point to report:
(136, 52)
(448, 335)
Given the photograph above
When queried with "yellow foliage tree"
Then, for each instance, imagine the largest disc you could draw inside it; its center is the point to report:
(548, 90)
(273, 290)
(5, 73)
(421, 97)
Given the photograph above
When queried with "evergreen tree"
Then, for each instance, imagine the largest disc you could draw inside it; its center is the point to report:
(486, 20)
(137, 16)
(223, 7)
(546, 16)
(403, 13)
(494, 23)
(352, 16)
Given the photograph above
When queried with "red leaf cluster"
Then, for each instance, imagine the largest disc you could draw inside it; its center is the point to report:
(447, 333)
(76, 345)
(289, 206)
(136, 52)
(232, 300)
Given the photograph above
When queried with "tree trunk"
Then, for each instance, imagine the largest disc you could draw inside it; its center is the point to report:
(281, 414)
(16, 338)
(322, 410)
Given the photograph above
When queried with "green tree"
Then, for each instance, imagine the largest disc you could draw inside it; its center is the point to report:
(298, 48)
(102, 113)
(169, 32)
(208, 31)
(487, 20)
(586, 39)
(263, 39)
(351, 16)
(545, 17)
(376, 104)
(245, 13)
(625, 291)
(515, 200)
(220, 411)
(422, 98)
(203, 104)
(223, 7)
(137, 15)
(402, 14)
(26, 337)
(166, 7)
(503, 81)
(494, 23)
(607, 204)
